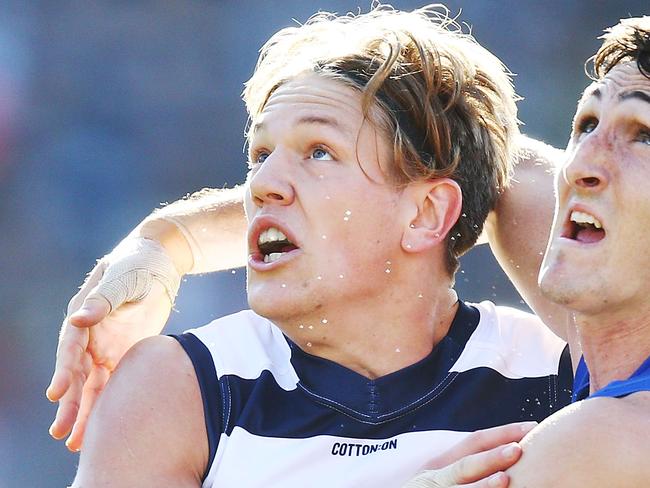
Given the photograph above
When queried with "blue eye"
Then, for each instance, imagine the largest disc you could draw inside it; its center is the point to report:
(260, 158)
(321, 154)
(586, 125)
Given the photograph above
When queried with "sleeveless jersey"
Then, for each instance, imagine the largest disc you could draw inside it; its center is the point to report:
(639, 381)
(277, 416)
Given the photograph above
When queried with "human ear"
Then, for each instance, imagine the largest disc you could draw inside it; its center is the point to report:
(433, 207)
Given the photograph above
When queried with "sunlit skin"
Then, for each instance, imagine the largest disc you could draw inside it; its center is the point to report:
(319, 173)
(605, 279)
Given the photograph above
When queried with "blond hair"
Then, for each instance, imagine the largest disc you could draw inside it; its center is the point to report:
(446, 102)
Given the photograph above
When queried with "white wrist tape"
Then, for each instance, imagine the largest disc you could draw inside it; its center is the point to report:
(131, 268)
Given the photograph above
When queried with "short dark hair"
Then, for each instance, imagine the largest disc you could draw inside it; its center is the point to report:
(629, 40)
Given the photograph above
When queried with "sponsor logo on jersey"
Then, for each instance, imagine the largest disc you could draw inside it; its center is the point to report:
(350, 449)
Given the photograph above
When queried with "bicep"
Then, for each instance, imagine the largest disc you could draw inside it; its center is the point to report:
(147, 428)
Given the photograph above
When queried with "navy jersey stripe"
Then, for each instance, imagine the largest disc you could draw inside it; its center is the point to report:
(471, 400)
(209, 384)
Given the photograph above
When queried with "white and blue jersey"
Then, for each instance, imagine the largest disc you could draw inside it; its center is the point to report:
(278, 416)
(639, 381)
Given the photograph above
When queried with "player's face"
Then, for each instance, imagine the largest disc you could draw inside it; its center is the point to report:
(320, 229)
(599, 254)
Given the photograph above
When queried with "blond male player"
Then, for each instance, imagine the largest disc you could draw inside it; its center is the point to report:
(375, 159)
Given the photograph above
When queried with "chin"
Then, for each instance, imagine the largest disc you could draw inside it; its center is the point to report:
(575, 292)
(274, 306)
(558, 284)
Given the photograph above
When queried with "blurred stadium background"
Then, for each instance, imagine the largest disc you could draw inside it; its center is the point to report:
(108, 108)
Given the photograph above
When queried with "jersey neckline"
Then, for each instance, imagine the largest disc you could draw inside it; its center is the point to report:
(392, 395)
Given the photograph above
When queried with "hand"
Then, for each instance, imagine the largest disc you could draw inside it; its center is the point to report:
(477, 461)
(127, 296)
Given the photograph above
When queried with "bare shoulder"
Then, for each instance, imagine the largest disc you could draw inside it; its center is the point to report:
(601, 442)
(147, 428)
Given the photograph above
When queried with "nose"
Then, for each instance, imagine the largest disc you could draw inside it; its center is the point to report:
(586, 169)
(270, 183)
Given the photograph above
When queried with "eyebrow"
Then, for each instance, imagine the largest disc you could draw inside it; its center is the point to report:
(635, 94)
(595, 92)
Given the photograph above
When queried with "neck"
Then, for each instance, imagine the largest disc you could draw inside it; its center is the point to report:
(382, 332)
(614, 345)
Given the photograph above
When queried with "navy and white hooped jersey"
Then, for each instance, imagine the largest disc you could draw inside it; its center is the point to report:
(278, 416)
(639, 381)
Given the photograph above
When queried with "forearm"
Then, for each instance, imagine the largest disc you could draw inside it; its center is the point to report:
(202, 233)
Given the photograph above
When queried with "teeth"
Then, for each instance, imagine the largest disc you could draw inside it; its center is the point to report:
(271, 235)
(585, 218)
(274, 256)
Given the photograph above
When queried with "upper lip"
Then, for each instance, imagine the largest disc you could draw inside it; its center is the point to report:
(260, 224)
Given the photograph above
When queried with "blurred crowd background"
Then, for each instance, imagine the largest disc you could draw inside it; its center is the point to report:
(109, 108)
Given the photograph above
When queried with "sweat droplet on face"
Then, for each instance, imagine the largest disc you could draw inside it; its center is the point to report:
(323, 236)
(324, 321)
(284, 285)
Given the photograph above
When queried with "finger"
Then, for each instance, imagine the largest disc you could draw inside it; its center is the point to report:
(91, 390)
(93, 310)
(484, 469)
(91, 281)
(497, 480)
(480, 466)
(69, 355)
(69, 404)
(483, 440)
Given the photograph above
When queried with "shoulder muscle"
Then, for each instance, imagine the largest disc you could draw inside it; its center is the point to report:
(601, 442)
(147, 428)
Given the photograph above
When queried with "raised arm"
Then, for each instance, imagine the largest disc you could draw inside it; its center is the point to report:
(518, 229)
(202, 233)
(147, 428)
(130, 292)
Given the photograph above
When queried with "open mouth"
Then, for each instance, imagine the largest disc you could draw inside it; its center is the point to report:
(583, 227)
(273, 244)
